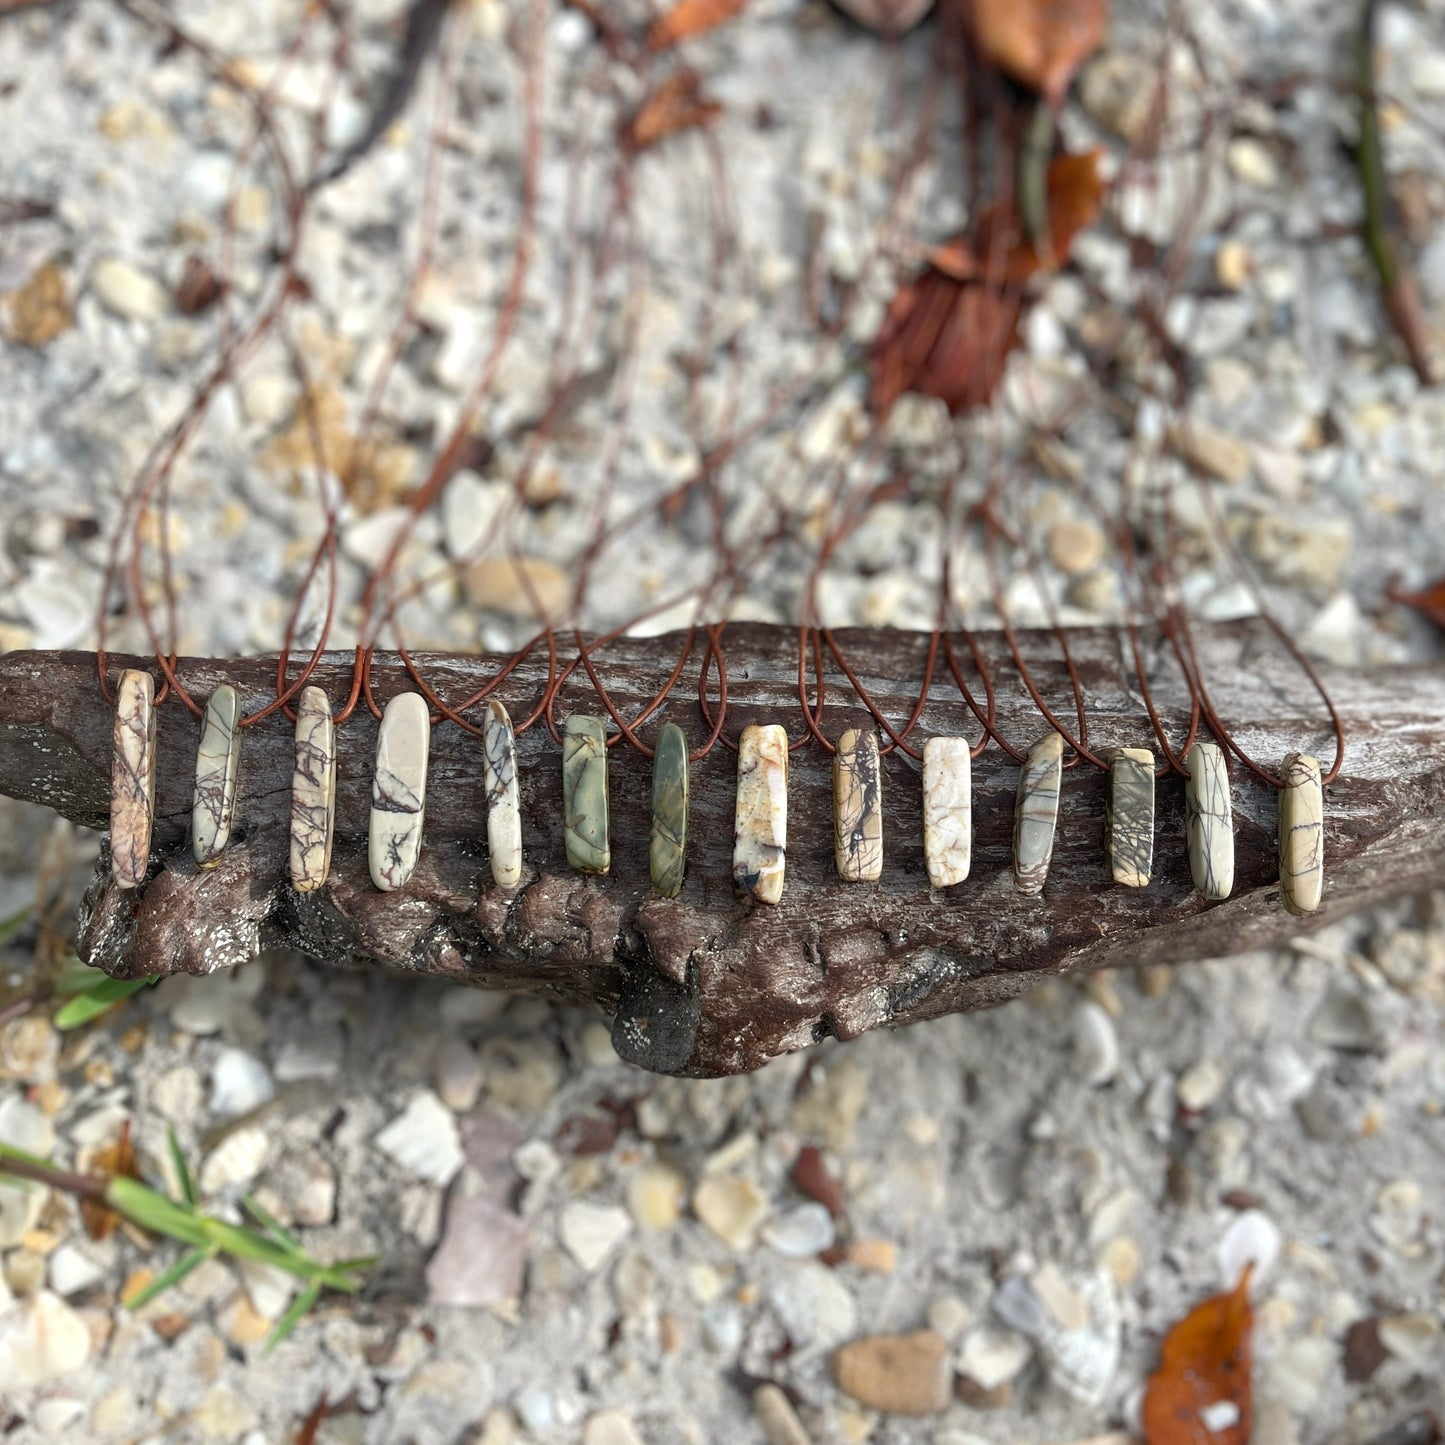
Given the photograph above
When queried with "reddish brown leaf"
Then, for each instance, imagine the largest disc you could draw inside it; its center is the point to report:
(811, 1176)
(675, 105)
(1204, 1361)
(113, 1161)
(1430, 603)
(688, 18)
(1041, 43)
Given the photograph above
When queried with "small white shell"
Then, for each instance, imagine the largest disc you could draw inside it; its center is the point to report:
(236, 1160)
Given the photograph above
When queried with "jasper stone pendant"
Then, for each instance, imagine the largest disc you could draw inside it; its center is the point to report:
(1301, 834)
(313, 791)
(947, 810)
(132, 778)
(584, 794)
(1129, 825)
(1036, 814)
(1210, 814)
(667, 842)
(760, 828)
(858, 807)
(398, 791)
(504, 804)
(214, 804)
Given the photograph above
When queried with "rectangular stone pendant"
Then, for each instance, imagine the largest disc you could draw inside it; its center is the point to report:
(760, 831)
(133, 778)
(1210, 813)
(584, 794)
(947, 810)
(1301, 834)
(858, 807)
(398, 790)
(667, 843)
(1036, 815)
(1129, 818)
(504, 804)
(313, 791)
(214, 804)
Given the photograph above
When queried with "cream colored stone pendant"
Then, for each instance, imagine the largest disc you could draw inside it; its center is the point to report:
(133, 778)
(213, 807)
(1210, 814)
(858, 807)
(584, 794)
(947, 810)
(398, 791)
(1036, 815)
(760, 831)
(1129, 827)
(504, 805)
(1301, 834)
(313, 791)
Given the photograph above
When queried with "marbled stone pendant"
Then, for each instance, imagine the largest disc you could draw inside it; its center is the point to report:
(1037, 813)
(313, 791)
(1301, 834)
(947, 810)
(667, 844)
(584, 794)
(858, 807)
(398, 790)
(760, 832)
(504, 805)
(214, 805)
(1210, 812)
(133, 778)
(1129, 823)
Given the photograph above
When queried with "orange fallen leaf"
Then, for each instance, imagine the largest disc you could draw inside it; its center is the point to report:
(1203, 1362)
(113, 1161)
(1041, 43)
(688, 18)
(677, 104)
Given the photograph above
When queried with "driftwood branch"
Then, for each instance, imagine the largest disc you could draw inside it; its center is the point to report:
(705, 984)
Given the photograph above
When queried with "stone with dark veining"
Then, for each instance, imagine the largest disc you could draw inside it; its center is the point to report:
(584, 794)
(760, 825)
(313, 791)
(398, 791)
(1210, 813)
(667, 842)
(1130, 817)
(1301, 834)
(504, 807)
(213, 808)
(858, 807)
(1036, 814)
(947, 810)
(133, 778)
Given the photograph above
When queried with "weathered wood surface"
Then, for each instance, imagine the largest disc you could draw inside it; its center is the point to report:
(704, 983)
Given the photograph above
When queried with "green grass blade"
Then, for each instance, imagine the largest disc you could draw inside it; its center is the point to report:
(270, 1224)
(300, 1306)
(174, 1275)
(151, 1210)
(184, 1181)
(100, 998)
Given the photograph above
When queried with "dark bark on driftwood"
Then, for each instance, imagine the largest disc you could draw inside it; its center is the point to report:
(705, 984)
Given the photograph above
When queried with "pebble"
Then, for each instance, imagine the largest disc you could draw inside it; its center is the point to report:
(776, 1415)
(521, 1074)
(71, 1270)
(458, 1075)
(1116, 90)
(610, 1427)
(813, 1305)
(1075, 547)
(212, 1004)
(1295, 1374)
(949, 1316)
(654, 1196)
(23, 1126)
(878, 1256)
(316, 1056)
(800, 1232)
(127, 292)
(991, 1357)
(1096, 1044)
(423, 1140)
(495, 584)
(733, 1208)
(59, 1416)
(40, 310)
(41, 1339)
(268, 1288)
(1214, 452)
(29, 1047)
(222, 1414)
(1200, 1085)
(536, 1407)
(722, 1329)
(1344, 1020)
(1252, 162)
(471, 508)
(240, 1082)
(898, 1374)
(1252, 1238)
(483, 1249)
(590, 1232)
(1412, 1338)
(235, 1161)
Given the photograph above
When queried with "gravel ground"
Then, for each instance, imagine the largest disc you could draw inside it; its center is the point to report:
(572, 1250)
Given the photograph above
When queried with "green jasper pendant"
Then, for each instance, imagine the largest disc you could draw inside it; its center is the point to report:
(667, 844)
(584, 794)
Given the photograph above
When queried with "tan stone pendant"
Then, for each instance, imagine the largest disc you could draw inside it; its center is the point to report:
(858, 807)
(760, 829)
(1301, 834)
(133, 778)
(1130, 818)
(1210, 814)
(213, 807)
(313, 791)
(398, 791)
(947, 810)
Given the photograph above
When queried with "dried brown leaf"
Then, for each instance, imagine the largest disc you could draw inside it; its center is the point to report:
(1040, 43)
(688, 18)
(676, 105)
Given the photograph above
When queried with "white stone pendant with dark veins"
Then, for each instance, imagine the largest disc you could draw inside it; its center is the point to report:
(132, 778)
(504, 807)
(213, 808)
(1036, 815)
(398, 790)
(1130, 816)
(760, 829)
(858, 807)
(1301, 834)
(313, 791)
(1210, 817)
(947, 810)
